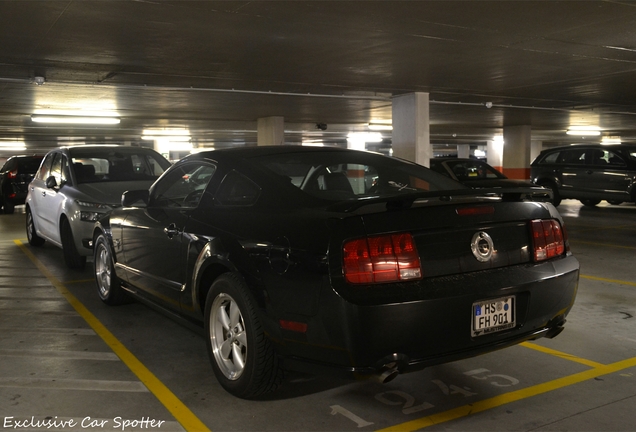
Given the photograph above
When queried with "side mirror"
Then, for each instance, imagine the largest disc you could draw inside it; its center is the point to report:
(138, 197)
(51, 182)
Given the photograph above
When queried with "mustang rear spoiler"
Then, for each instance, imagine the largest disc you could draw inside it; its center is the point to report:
(406, 200)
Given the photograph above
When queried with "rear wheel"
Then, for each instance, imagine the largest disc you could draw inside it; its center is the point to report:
(34, 239)
(108, 285)
(615, 202)
(242, 356)
(590, 202)
(72, 258)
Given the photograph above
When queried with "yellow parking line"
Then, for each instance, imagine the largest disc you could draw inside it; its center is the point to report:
(562, 355)
(181, 413)
(79, 281)
(514, 396)
(615, 281)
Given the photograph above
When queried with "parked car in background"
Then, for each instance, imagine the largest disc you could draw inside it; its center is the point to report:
(589, 173)
(15, 176)
(75, 186)
(331, 259)
(473, 173)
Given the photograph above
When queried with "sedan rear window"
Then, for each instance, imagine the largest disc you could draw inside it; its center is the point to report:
(347, 175)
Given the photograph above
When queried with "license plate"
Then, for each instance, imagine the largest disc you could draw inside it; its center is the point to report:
(490, 316)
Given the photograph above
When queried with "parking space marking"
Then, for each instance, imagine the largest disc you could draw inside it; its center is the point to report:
(513, 396)
(178, 409)
(615, 281)
(562, 355)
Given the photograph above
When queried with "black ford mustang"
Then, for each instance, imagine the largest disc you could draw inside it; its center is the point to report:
(313, 258)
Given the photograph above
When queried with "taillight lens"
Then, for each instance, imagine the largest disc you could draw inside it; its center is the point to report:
(548, 239)
(381, 259)
(12, 174)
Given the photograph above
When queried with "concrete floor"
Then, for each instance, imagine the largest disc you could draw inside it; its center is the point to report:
(73, 363)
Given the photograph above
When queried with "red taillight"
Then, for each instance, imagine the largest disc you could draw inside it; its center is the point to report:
(12, 174)
(548, 239)
(388, 258)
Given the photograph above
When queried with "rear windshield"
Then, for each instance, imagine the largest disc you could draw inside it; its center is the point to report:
(29, 165)
(110, 165)
(354, 175)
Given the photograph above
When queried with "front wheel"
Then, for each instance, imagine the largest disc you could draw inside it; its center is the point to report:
(615, 202)
(9, 207)
(32, 236)
(72, 258)
(108, 285)
(556, 197)
(242, 356)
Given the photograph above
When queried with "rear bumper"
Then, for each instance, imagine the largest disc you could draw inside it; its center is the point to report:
(436, 328)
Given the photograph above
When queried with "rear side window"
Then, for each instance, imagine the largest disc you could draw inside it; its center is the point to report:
(237, 190)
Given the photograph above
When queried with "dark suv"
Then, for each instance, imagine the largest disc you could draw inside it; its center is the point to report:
(15, 176)
(589, 173)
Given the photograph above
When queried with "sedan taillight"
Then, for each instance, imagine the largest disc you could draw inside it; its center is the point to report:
(548, 239)
(381, 259)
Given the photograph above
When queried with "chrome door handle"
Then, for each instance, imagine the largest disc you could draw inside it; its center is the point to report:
(171, 230)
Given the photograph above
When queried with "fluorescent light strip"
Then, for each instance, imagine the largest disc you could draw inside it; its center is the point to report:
(584, 130)
(74, 119)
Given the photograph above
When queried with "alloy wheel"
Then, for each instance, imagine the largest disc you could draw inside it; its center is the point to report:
(228, 337)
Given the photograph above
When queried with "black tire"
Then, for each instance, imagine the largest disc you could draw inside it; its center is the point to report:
(8, 207)
(72, 258)
(556, 197)
(108, 285)
(243, 358)
(590, 202)
(615, 202)
(34, 239)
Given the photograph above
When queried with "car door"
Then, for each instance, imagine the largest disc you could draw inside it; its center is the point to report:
(153, 238)
(571, 170)
(607, 174)
(47, 201)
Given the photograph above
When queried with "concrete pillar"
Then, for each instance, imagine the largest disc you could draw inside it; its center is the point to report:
(463, 151)
(535, 149)
(411, 136)
(516, 155)
(494, 154)
(270, 131)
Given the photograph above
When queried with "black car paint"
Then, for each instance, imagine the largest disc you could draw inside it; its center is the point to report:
(290, 257)
(589, 180)
(13, 191)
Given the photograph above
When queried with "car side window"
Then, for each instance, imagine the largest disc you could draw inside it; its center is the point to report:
(551, 158)
(45, 170)
(237, 190)
(183, 186)
(572, 157)
(614, 160)
(59, 169)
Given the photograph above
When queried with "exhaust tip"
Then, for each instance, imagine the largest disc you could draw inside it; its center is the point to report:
(387, 373)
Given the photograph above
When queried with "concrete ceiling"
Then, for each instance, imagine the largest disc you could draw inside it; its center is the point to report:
(215, 67)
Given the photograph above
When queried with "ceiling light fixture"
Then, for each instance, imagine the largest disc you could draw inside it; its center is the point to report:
(584, 130)
(12, 145)
(380, 126)
(608, 140)
(70, 119)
